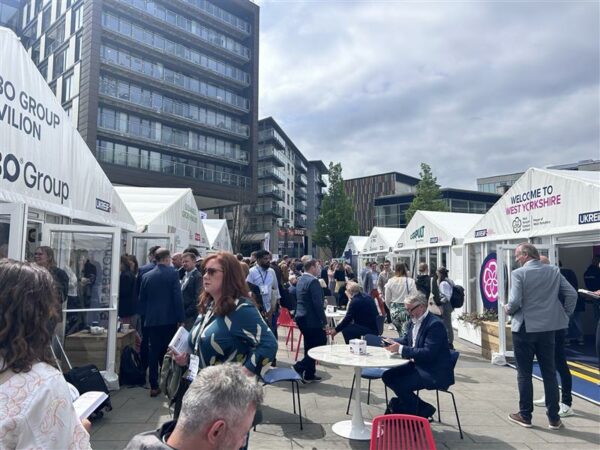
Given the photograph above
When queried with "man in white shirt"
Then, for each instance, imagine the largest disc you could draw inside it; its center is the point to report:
(426, 345)
(263, 276)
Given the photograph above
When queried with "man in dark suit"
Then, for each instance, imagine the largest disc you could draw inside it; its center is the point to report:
(162, 307)
(426, 345)
(191, 284)
(310, 317)
(361, 317)
(151, 264)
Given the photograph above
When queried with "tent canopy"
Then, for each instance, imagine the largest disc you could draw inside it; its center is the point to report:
(218, 235)
(355, 244)
(436, 229)
(543, 202)
(381, 240)
(45, 162)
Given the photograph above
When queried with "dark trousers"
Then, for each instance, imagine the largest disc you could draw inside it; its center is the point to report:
(313, 337)
(354, 331)
(404, 380)
(526, 346)
(560, 359)
(158, 340)
(144, 345)
(388, 314)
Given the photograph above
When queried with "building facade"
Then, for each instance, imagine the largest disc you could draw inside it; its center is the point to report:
(365, 190)
(390, 211)
(165, 93)
(289, 193)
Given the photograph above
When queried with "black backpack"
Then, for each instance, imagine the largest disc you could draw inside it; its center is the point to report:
(458, 296)
(130, 372)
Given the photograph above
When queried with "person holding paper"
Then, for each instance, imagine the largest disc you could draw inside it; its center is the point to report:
(229, 326)
(35, 406)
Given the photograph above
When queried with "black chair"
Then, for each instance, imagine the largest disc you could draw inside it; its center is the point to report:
(369, 373)
(453, 360)
(278, 374)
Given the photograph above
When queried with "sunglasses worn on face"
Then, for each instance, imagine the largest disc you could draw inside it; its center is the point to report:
(409, 310)
(211, 271)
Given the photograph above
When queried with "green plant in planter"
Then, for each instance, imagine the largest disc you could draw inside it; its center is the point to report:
(476, 319)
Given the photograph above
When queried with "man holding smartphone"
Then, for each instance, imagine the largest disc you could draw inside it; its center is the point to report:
(426, 345)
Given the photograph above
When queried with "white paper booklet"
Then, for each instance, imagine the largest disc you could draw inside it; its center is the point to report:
(87, 403)
(180, 342)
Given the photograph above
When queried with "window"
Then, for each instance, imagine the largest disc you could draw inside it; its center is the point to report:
(76, 19)
(58, 11)
(46, 18)
(67, 86)
(78, 47)
(35, 52)
(59, 63)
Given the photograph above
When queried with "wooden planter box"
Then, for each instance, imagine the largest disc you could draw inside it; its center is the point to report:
(490, 342)
(84, 348)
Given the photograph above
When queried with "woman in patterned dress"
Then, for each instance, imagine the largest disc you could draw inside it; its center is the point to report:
(35, 403)
(229, 327)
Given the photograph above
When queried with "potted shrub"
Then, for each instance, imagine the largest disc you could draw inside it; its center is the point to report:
(487, 324)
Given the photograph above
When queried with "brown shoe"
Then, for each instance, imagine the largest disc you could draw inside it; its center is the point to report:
(520, 420)
(154, 392)
(555, 425)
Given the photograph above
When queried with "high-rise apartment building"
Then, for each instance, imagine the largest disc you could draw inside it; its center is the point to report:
(364, 190)
(289, 193)
(165, 93)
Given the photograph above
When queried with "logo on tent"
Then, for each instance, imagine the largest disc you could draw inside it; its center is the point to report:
(589, 217)
(516, 225)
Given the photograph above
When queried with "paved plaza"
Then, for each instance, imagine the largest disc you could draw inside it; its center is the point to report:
(485, 394)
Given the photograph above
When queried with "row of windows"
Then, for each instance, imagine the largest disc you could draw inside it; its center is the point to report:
(130, 156)
(159, 72)
(221, 14)
(149, 129)
(191, 26)
(154, 40)
(56, 35)
(144, 97)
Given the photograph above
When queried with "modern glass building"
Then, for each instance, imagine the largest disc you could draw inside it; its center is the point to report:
(164, 92)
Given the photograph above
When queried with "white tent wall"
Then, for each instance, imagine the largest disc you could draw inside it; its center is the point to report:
(166, 210)
(378, 245)
(547, 207)
(218, 235)
(44, 161)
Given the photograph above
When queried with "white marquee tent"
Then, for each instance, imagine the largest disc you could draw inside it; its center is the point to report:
(355, 244)
(380, 243)
(218, 235)
(166, 210)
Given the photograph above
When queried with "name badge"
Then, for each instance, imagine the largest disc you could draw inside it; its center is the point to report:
(265, 289)
(194, 366)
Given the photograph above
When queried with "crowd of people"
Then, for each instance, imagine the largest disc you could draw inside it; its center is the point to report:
(230, 306)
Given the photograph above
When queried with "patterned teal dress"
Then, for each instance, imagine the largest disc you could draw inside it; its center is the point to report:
(242, 337)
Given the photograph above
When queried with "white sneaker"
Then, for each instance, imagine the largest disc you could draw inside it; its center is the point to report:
(540, 402)
(565, 410)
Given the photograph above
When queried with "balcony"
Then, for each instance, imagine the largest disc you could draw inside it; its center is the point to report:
(301, 193)
(260, 226)
(271, 172)
(300, 166)
(270, 190)
(269, 153)
(301, 180)
(300, 222)
(270, 135)
(300, 207)
(320, 182)
(269, 208)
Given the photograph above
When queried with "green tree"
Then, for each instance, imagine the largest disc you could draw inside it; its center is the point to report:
(336, 223)
(428, 196)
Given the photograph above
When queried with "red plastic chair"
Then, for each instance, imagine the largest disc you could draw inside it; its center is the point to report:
(401, 432)
(285, 320)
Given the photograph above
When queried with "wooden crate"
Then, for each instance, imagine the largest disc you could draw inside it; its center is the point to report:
(490, 342)
(86, 348)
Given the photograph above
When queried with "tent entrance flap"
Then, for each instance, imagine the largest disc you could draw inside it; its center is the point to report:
(13, 226)
(89, 256)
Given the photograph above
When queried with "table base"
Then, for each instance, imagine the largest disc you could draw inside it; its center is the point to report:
(345, 429)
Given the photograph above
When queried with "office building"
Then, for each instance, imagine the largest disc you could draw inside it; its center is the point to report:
(165, 93)
(390, 211)
(289, 192)
(365, 190)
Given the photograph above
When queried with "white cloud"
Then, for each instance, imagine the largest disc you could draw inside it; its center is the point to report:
(472, 88)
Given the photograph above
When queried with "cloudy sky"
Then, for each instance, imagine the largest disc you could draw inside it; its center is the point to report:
(473, 88)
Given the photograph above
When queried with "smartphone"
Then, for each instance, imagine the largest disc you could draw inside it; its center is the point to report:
(386, 341)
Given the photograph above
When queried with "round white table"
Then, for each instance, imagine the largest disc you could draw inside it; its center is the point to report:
(340, 355)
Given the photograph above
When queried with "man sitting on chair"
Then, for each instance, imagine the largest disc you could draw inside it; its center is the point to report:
(426, 345)
(361, 317)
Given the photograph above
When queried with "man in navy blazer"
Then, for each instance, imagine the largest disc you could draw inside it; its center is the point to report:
(151, 264)
(361, 317)
(162, 307)
(191, 285)
(426, 345)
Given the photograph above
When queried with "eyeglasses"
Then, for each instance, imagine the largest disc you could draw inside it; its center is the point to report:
(409, 310)
(211, 271)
